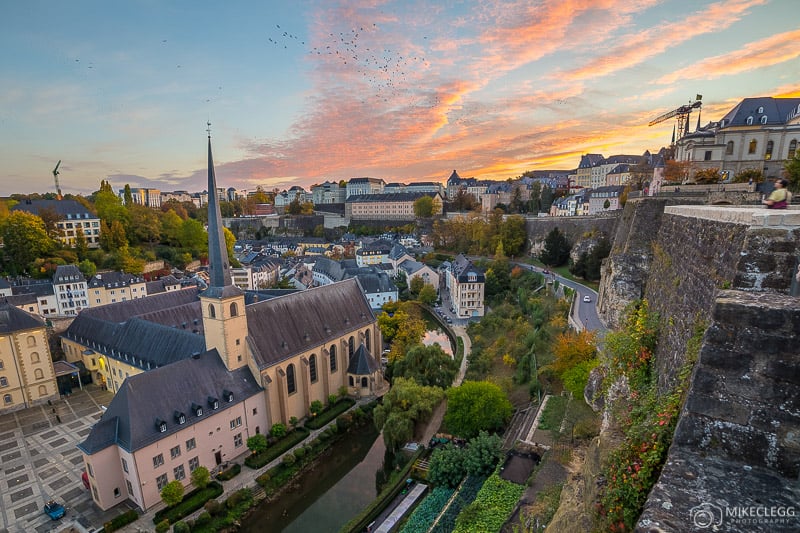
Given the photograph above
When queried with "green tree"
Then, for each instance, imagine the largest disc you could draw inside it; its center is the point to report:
(556, 249)
(547, 198)
(513, 235)
(423, 207)
(24, 239)
(406, 403)
(257, 443)
(427, 365)
(791, 171)
(416, 285)
(482, 454)
(144, 225)
(108, 205)
(316, 407)
(171, 224)
(535, 203)
(172, 493)
(447, 467)
(476, 406)
(87, 268)
(193, 236)
(128, 198)
(81, 245)
(427, 294)
(200, 477)
(278, 430)
(230, 242)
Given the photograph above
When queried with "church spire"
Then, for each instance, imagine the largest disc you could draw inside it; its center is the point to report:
(218, 262)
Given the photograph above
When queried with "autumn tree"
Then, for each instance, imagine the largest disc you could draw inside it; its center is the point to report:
(423, 207)
(171, 224)
(143, 225)
(677, 171)
(406, 403)
(24, 239)
(749, 174)
(427, 365)
(416, 285)
(475, 406)
(707, 176)
(571, 348)
(427, 294)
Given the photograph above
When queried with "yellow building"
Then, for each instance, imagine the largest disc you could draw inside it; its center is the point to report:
(27, 377)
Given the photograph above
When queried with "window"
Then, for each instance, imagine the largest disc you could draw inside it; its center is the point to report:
(191, 444)
(312, 367)
(236, 422)
(749, 121)
(161, 481)
(34, 357)
(31, 341)
(3, 381)
(158, 460)
(770, 146)
(352, 383)
(234, 309)
(194, 462)
(175, 452)
(179, 472)
(729, 148)
(94, 492)
(130, 487)
(237, 440)
(363, 382)
(211, 312)
(42, 390)
(764, 119)
(116, 492)
(124, 465)
(707, 156)
(367, 339)
(751, 149)
(333, 358)
(38, 373)
(90, 469)
(761, 109)
(792, 149)
(351, 346)
(255, 411)
(291, 387)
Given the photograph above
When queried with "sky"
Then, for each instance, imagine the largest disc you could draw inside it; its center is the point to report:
(299, 92)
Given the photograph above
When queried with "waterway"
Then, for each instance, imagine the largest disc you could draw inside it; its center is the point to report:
(322, 500)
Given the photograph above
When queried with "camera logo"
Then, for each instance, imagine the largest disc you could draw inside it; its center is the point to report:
(706, 515)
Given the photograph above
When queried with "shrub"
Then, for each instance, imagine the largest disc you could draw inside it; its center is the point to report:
(332, 399)
(202, 518)
(299, 453)
(162, 527)
(257, 443)
(289, 459)
(121, 521)
(214, 508)
(181, 527)
(237, 498)
(277, 449)
(278, 430)
(263, 479)
(201, 477)
(315, 408)
(191, 502)
(172, 493)
(330, 413)
(344, 422)
(230, 473)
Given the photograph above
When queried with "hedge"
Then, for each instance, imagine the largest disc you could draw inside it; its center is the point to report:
(230, 473)
(276, 450)
(330, 413)
(121, 521)
(190, 503)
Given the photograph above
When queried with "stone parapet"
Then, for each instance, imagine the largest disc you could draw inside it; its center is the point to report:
(749, 216)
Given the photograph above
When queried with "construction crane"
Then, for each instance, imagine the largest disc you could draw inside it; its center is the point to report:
(682, 113)
(55, 176)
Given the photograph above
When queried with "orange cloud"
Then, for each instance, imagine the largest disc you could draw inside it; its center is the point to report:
(759, 54)
(636, 48)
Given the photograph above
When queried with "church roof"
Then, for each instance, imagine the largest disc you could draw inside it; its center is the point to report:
(362, 363)
(288, 325)
(145, 399)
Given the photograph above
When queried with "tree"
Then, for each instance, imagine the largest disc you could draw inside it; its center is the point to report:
(749, 175)
(144, 224)
(81, 246)
(24, 239)
(108, 205)
(535, 203)
(172, 493)
(513, 235)
(677, 171)
(476, 406)
(427, 365)
(128, 199)
(316, 407)
(200, 477)
(447, 466)
(416, 285)
(406, 403)
(257, 443)
(278, 430)
(482, 454)
(791, 171)
(707, 176)
(427, 294)
(571, 348)
(547, 198)
(171, 224)
(193, 236)
(87, 268)
(423, 207)
(556, 249)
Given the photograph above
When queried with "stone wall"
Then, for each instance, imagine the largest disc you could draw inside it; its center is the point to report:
(737, 443)
(575, 228)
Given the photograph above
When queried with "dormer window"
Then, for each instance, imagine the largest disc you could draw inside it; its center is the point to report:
(749, 121)
(161, 425)
(764, 119)
(213, 402)
(760, 110)
(180, 418)
(197, 410)
(228, 395)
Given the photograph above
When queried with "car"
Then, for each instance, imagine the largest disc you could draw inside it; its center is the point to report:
(54, 510)
(587, 298)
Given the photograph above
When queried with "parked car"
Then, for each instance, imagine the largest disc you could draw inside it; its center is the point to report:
(54, 510)
(587, 299)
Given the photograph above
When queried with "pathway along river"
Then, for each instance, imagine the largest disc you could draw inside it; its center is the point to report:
(322, 500)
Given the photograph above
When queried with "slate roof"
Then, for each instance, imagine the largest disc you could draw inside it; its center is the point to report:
(285, 326)
(160, 285)
(365, 180)
(75, 209)
(37, 289)
(110, 280)
(463, 266)
(376, 282)
(454, 179)
(590, 160)
(130, 420)
(68, 274)
(13, 319)
(410, 266)
(121, 311)
(776, 109)
(362, 363)
(329, 268)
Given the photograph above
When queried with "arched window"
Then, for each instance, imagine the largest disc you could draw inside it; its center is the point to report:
(7, 397)
(351, 346)
(364, 382)
(291, 386)
(31, 340)
(234, 309)
(768, 154)
(729, 148)
(312, 367)
(749, 121)
(34, 357)
(38, 373)
(3, 381)
(352, 383)
(764, 119)
(2, 365)
(366, 339)
(211, 311)
(42, 390)
(333, 358)
(760, 109)
(792, 149)
(751, 149)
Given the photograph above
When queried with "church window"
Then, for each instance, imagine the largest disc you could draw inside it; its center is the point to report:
(352, 383)
(367, 339)
(751, 149)
(764, 119)
(333, 358)
(312, 368)
(211, 311)
(351, 346)
(364, 382)
(291, 386)
(792, 149)
(768, 154)
(729, 148)
(749, 121)
(234, 309)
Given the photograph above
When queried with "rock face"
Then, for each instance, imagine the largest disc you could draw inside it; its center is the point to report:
(575, 228)
(737, 443)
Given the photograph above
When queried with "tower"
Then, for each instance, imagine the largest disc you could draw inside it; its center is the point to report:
(224, 318)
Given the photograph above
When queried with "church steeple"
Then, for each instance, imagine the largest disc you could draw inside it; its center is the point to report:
(218, 262)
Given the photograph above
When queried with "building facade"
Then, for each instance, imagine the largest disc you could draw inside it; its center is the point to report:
(396, 207)
(465, 284)
(72, 218)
